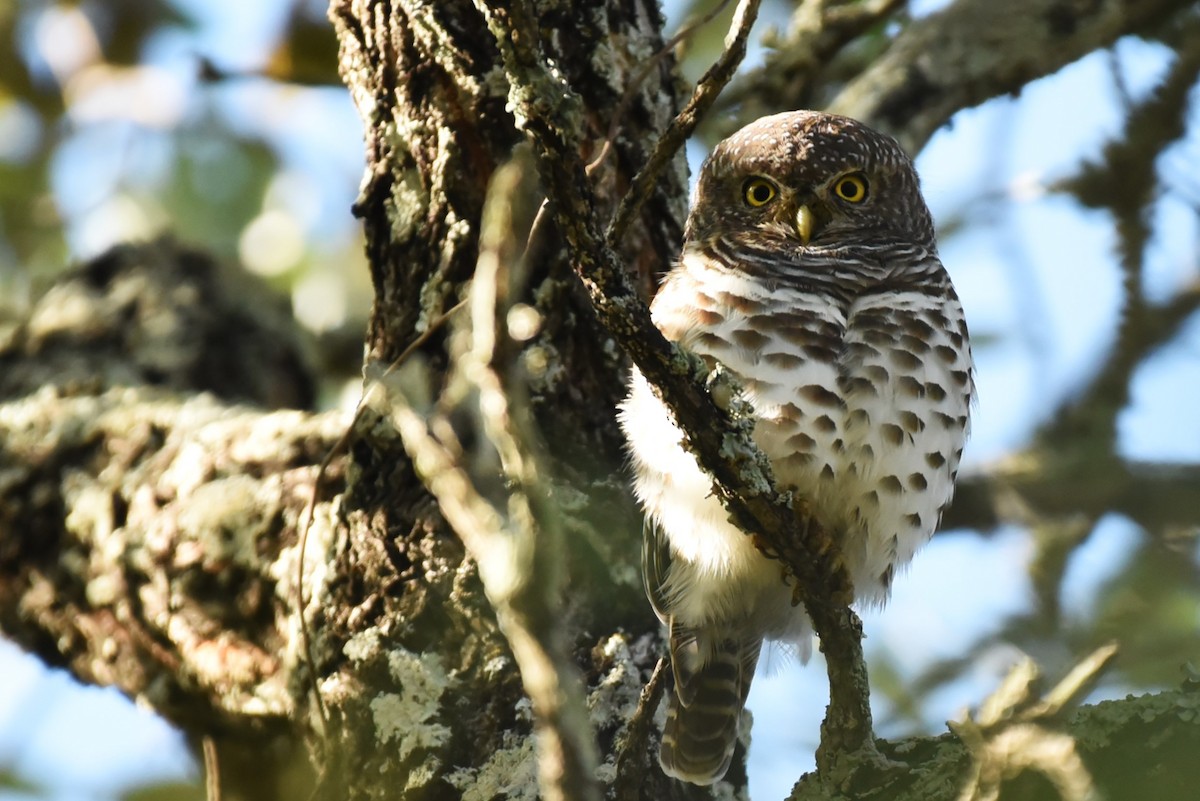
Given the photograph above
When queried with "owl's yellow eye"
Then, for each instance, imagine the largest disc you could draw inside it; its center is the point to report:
(758, 192)
(851, 188)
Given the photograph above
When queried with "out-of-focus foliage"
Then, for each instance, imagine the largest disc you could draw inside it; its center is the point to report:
(222, 124)
(166, 792)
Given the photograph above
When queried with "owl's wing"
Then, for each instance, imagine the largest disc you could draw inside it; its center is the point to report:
(712, 676)
(656, 561)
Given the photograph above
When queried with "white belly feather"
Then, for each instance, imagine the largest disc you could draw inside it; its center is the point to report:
(871, 441)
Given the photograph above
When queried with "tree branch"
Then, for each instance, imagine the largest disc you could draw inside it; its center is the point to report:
(797, 61)
(150, 550)
(720, 438)
(978, 49)
(128, 510)
(1132, 748)
(1023, 490)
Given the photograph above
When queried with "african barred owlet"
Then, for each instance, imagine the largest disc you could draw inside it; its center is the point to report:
(809, 270)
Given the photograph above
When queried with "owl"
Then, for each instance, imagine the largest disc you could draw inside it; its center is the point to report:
(810, 271)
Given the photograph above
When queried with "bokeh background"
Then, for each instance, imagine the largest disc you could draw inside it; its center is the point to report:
(223, 123)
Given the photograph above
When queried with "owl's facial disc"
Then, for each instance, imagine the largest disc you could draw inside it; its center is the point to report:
(798, 216)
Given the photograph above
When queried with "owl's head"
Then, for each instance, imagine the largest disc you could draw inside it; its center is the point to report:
(809, 181)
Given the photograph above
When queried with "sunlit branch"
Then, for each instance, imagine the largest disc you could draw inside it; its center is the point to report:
(544, 107)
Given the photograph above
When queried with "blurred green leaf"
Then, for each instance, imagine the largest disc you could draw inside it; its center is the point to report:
(168, 791)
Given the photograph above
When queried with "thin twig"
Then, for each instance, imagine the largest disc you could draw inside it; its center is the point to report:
(516, 542)
(212, 770)
(311, 507)
(632, 757)
(710, 85)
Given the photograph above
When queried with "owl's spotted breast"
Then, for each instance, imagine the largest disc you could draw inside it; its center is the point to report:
(858, 404)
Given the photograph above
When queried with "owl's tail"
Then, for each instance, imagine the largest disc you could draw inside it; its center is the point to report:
(704, 710)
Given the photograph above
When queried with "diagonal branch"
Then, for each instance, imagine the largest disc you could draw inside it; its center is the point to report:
(978, 49)
(545, 108)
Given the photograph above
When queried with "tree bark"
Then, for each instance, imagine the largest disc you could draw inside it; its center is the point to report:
(437, 128)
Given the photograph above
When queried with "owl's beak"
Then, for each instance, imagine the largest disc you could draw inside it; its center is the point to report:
(806, 221)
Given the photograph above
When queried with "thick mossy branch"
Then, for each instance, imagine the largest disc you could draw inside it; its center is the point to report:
(144, 531)
(150, 547)
(978, 49)
(1024, 745)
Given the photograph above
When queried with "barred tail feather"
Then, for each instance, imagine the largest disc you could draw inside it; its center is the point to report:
(703, 714)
